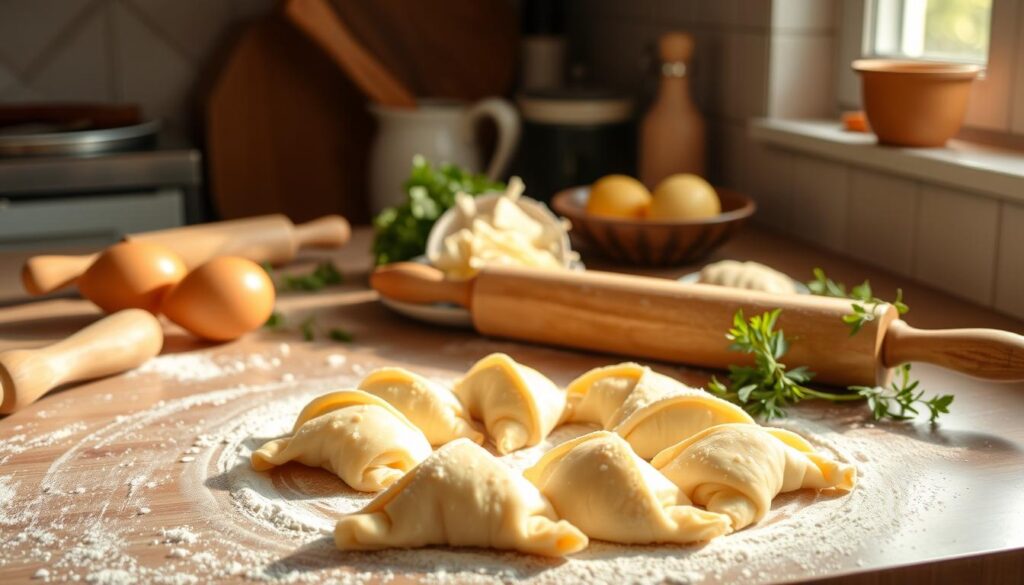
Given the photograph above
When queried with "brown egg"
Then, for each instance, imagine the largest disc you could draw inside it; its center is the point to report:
(222, 299)
(131, 275)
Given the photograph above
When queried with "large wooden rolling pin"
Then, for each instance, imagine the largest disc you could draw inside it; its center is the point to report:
(267, 238)
(662, 319)
(120, 342)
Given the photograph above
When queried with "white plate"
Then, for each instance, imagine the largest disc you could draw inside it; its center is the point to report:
(694, 278)
(442, 314)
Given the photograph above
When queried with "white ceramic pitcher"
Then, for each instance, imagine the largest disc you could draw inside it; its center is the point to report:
(442, 131)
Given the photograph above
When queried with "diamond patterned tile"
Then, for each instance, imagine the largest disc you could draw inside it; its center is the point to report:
(79, 68)
(28, 27)
(193, 27)
(151, 72)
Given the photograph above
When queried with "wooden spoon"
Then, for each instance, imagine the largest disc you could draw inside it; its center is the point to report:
(323, 25)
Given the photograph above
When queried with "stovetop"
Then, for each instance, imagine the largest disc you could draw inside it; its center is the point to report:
(172, 162)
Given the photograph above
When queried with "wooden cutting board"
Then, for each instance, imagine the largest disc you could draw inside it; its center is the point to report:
(285, 133)
(288, 132)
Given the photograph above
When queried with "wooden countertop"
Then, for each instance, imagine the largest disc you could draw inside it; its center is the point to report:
(975, 532)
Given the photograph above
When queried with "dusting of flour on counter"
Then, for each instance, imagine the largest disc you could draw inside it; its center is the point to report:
(276, 526)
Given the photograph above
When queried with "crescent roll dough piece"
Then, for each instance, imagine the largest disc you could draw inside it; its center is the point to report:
(518, 404)
(460, 496)
(748, 275)
(650, 410)
(736, 469)
(355, 435)
(428, 405)
(597, 396)
(599, 484)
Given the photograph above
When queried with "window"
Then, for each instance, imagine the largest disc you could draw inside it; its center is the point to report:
(986, 32)
(946, 30)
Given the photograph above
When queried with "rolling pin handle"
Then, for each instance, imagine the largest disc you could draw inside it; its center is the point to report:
(331, 231)
(116, 343)
(412, 282)
(983, 353)
(45, 274)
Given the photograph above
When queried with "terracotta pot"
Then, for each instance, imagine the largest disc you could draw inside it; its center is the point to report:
(915, 103)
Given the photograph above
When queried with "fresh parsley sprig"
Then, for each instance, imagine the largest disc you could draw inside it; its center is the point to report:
(400, 232)
(865, 305)
(897, 402)
(308, 328)
(767, 387)
(325, 274)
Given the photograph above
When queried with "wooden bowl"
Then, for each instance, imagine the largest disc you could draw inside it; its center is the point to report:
(914, 103)
(653, 242)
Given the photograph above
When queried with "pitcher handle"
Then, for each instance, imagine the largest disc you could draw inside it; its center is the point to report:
(507, 120)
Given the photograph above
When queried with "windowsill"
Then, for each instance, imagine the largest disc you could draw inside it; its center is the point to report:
(972, 167)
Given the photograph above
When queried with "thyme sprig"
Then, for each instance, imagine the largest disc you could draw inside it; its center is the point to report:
(865, 305)
(897, 402)
(767, 387)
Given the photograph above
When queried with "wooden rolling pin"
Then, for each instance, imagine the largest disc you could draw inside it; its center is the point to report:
(666, 320)
(267, 238)
(120, 342)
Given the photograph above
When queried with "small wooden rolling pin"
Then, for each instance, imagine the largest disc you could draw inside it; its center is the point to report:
(120, 342)
(666, 320)
(267, 238)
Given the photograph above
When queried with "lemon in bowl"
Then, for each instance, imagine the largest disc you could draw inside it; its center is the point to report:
(619, 196)
(684, 196)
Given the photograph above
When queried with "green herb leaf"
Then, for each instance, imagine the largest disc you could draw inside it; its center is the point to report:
(866, 307)
(338, 334)
(767, 387)
(325, 274)
(898, 401)
(308, 328)
(274, 321)
(401, 232)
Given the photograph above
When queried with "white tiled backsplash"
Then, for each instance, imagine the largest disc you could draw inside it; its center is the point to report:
(150, 52)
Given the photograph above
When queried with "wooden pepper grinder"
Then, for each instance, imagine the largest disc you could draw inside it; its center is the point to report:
(672, 134)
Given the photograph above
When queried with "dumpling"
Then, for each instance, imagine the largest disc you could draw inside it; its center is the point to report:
(736, 469)
(428, 405)
(650, 410)
(355, 435)
(460, 496)
(597, 483)
(747, 275)
(518, 404)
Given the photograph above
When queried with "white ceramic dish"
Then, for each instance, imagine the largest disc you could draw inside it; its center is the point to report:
(443, 314)
(448, 315)
(694, 278)
(451, 222)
